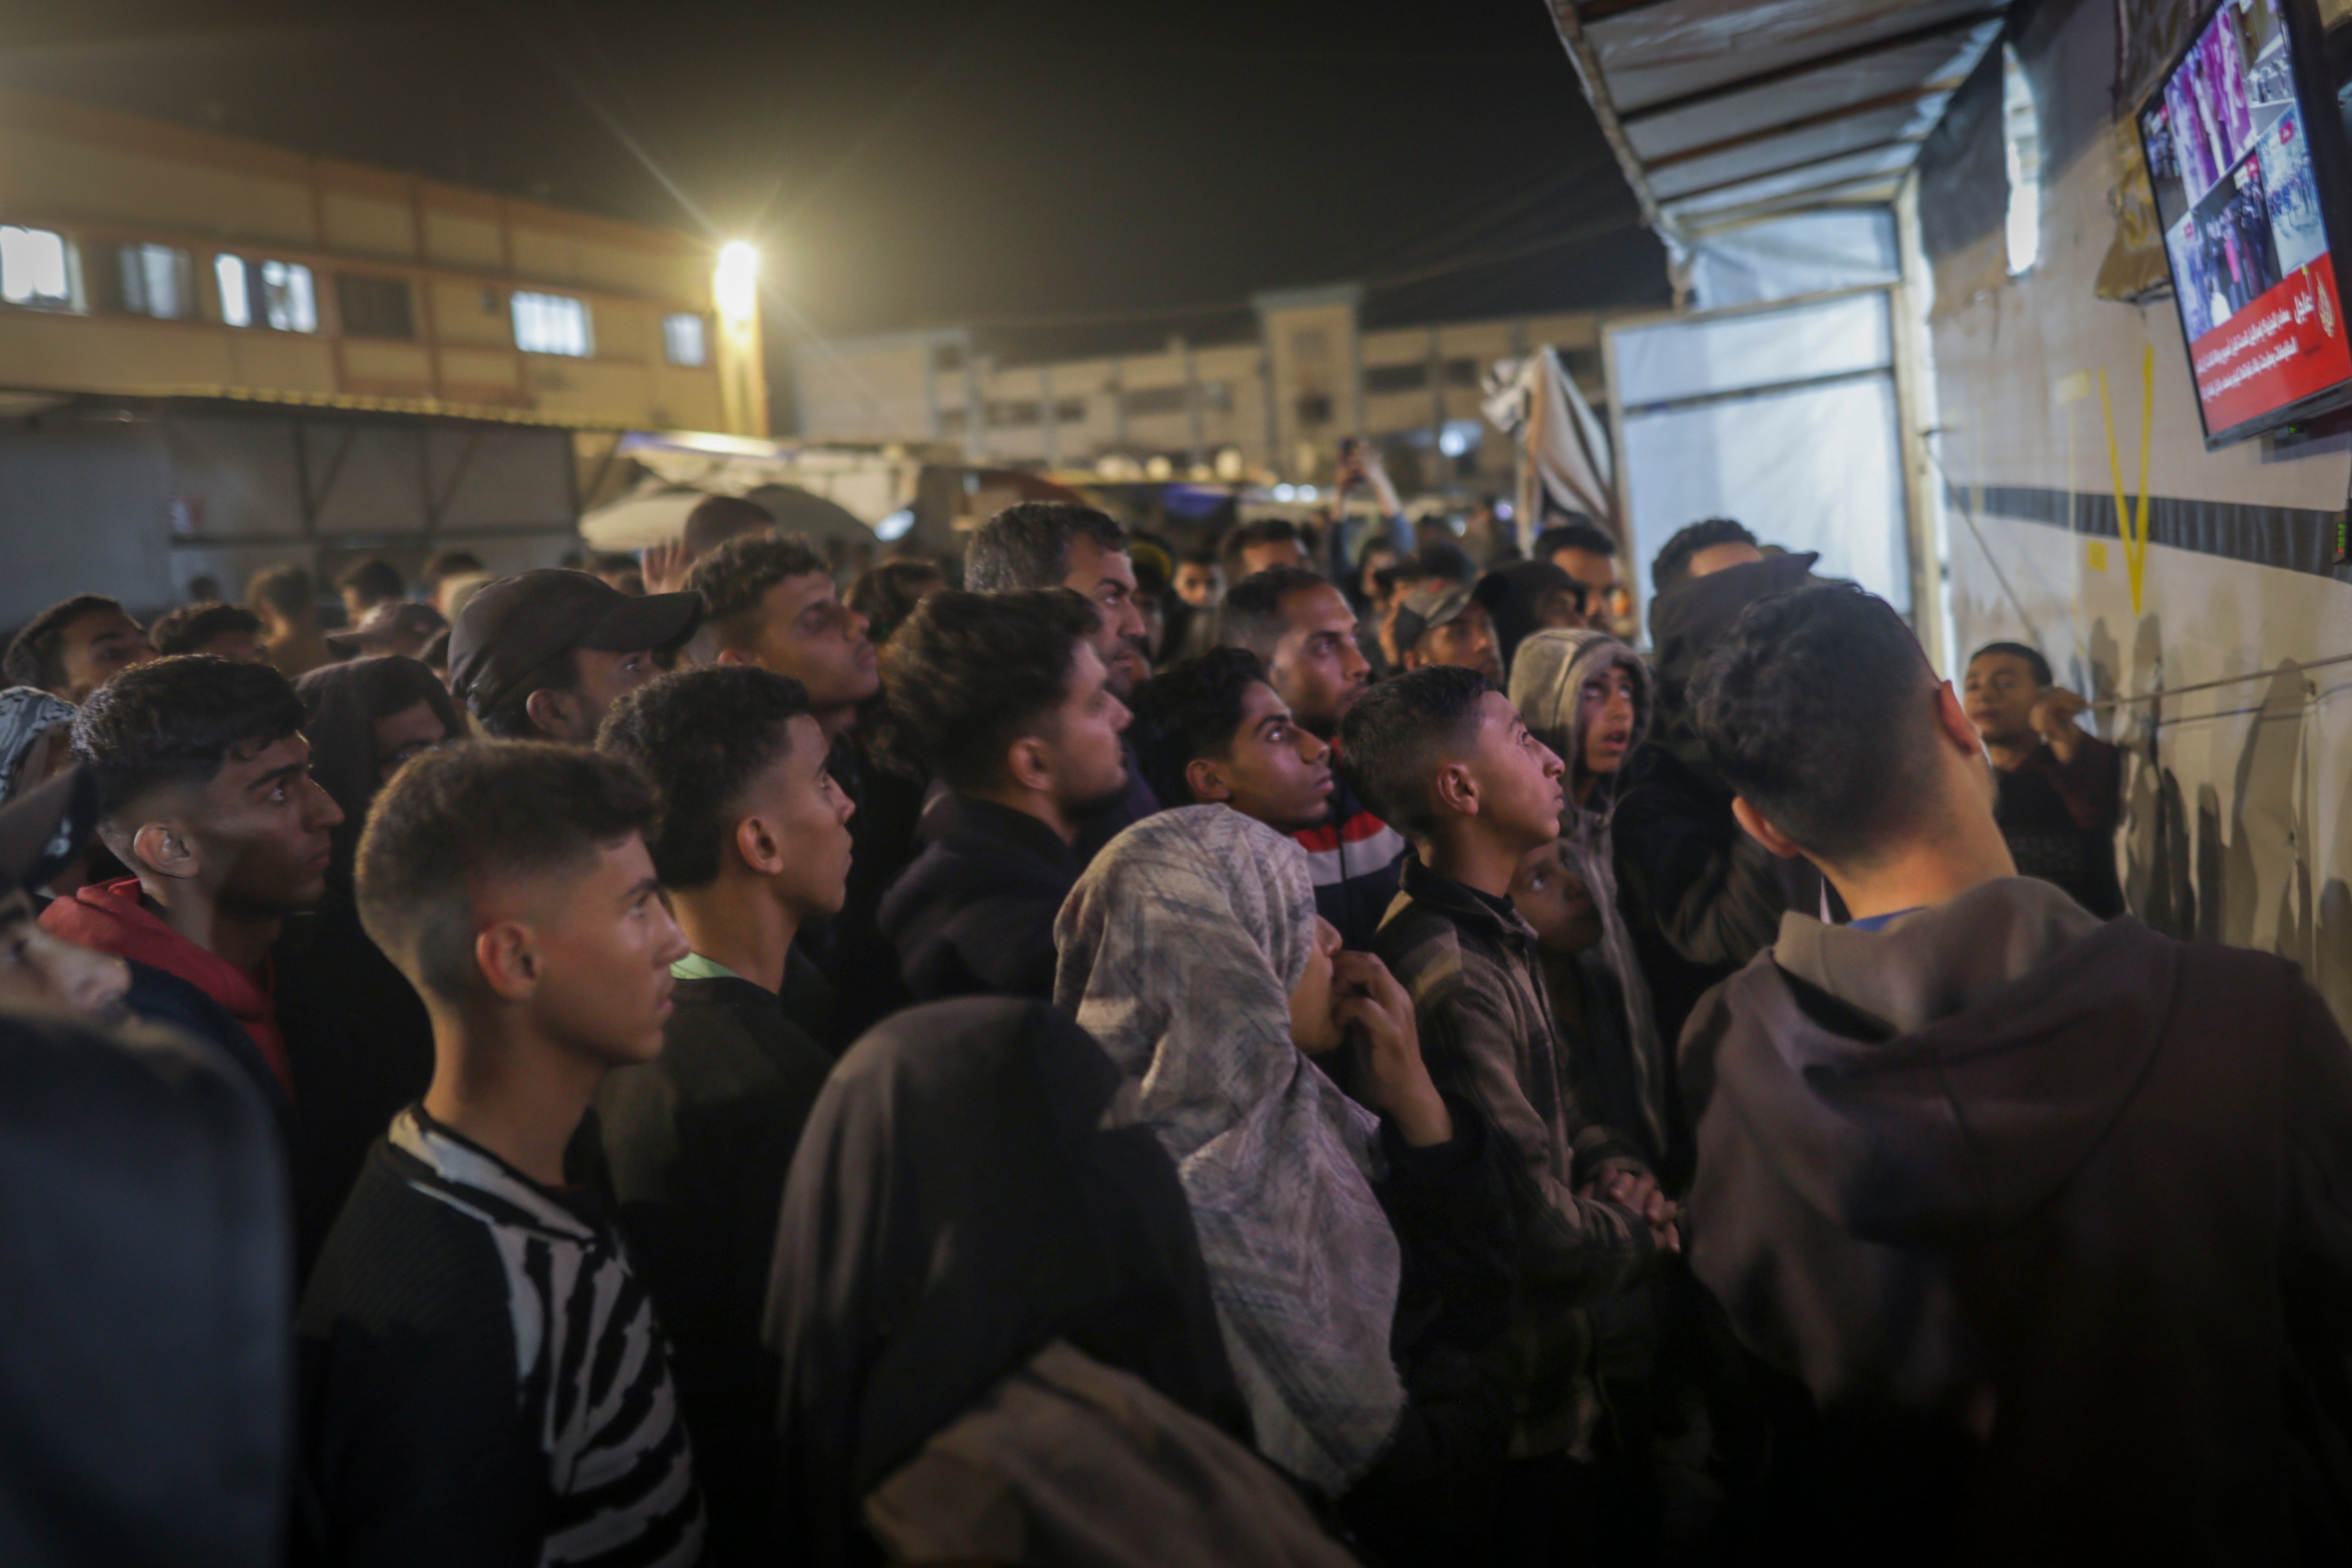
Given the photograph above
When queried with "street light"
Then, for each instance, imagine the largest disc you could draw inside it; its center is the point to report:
(736, 284)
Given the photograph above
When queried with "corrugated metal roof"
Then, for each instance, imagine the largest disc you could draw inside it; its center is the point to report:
(1721, 112)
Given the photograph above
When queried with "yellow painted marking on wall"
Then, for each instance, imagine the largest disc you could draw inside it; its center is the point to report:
(2098, 554)
(2134, 529)
(2070, 389)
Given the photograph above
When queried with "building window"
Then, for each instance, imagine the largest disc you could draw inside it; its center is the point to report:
(947, 358)
(375, 306)
(951, 422)
(552, 324)
(1217, 396)
(2020, 136)
(1069, 411)
(1412, 377)
(280, 295)
(155, 280)
(1013, 415)
(1461, 372)
(685, 339)
(36, 268)
(1315, 408)
(1143, 402)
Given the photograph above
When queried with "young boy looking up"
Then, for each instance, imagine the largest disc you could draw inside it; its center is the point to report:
(205, 795)
(1212, 731)
(484, 1380)
(770, 602)
(1302, 629)
(1441, 753)
(752, 841)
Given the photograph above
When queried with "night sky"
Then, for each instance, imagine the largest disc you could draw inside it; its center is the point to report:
(1062, 173)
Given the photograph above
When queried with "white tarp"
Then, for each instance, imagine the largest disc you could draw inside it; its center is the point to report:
(868, 482)
(1564, 452)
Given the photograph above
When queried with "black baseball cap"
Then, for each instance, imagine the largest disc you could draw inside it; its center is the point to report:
(510, 627)
(43, 828)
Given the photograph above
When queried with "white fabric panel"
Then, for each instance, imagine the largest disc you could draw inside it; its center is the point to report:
(1671, 360)
(1806, 253)
(1813, 469)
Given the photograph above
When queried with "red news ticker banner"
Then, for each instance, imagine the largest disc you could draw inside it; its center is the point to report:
(2287, 344)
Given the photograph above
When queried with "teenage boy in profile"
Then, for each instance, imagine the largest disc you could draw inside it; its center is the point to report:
(1445, 756)
(1214, 732)
(752, 844)
(483, 1378)
(205, 795)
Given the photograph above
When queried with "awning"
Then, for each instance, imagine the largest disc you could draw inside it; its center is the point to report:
(1722, 112)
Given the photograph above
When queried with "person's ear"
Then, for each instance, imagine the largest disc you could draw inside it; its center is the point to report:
(1207, 781)
(556, 713)
(1457, 789)
(165, 849)
(1763, 832)
(508, 957)
(759, 846)
(726, 656)
(1953, 720)
(1410, 658)
(1029, 764)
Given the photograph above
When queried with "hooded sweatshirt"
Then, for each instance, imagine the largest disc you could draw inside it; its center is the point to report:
(2053, 1218)
(1547, 687)
(111, 919)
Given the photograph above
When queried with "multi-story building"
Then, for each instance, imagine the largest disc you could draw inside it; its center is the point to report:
(1271, 406)
(215, 355)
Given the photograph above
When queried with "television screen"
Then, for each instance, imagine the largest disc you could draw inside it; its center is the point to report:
(2229, 154)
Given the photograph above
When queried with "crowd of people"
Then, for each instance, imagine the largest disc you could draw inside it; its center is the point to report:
(1303, 1050)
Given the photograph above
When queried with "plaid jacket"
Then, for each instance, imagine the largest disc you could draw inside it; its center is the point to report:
(1488, 1034)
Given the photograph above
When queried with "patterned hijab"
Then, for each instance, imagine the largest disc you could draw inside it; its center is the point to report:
(1548, 685)
(1179, 950)
(26, 714)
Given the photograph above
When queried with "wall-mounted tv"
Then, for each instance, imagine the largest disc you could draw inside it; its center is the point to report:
(2248, 205)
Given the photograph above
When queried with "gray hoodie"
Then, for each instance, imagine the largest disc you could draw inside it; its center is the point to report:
(1547, 677)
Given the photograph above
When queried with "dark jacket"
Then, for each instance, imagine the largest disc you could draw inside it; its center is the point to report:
(145, 1375)
(696, 1145)
(1702, 897)
(159, 996)
(360, 1045)
(1488, 1034)
(2060, 821)
(1353, 859)
(2053, 1218)
(848, 948)
(1136, 803)
(973, 915)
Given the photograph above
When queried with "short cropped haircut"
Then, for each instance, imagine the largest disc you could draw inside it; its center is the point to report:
(36, 657)
(189, 627)
(1251, 615)
(1188, 711)
(443, 563)
(1814, 705)
(285, 589)
(1027, 545)
(375, 580)
(1672, 565)
(1573, 536)
(886, 595)
(715, 520)
(700, 737)
(512, 719)
(1401, 731)
(476, 811)
(176, 722)
(1259, 530)
(969, 674)
(2032, 657)
(733, 578)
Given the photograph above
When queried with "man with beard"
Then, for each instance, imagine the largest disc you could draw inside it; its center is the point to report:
(1304, 632)
(1012, 708)
(1061, 544)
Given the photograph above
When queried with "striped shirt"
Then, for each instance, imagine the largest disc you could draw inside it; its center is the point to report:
(484, 1380)
(1353, 861)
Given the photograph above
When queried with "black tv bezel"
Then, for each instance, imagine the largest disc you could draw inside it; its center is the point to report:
(2324, 138)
